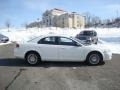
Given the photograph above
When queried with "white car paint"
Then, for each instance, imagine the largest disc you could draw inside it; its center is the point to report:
(60, 52)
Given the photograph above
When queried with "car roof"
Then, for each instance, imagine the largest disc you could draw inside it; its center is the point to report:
(53, 35)
(88, 30)
(48, 35)
(57, 35)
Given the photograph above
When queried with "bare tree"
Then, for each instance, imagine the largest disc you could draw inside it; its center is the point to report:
(88, 18)
(25, 25)
(8, 24)
(92, 20)
(96, 21)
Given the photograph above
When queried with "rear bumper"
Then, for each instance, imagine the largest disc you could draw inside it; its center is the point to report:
(18, 54)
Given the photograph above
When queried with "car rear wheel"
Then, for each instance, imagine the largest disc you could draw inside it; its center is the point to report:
(94, 59)
(32, 58)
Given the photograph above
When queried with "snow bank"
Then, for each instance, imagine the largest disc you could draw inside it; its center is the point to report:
(111, 36)
(115, 48)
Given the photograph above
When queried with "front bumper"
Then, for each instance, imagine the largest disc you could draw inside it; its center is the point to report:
(107, 56)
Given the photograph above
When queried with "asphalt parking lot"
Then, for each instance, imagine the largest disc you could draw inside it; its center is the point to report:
(17, 75)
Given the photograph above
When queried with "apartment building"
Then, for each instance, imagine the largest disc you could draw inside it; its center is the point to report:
(63, 19)
(49, 17)
(78, 21)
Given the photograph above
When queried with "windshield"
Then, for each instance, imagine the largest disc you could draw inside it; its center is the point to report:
(83, 38)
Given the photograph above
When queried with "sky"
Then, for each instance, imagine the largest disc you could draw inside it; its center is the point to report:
(21, 12)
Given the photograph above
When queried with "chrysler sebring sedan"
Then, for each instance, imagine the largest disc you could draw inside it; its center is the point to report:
(61, 48)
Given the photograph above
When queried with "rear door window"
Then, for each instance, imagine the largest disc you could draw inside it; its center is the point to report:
(48, 40)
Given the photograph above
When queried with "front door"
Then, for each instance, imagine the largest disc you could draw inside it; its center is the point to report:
(68, 50)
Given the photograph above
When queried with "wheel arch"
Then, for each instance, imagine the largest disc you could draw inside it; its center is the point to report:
(32, 51)
(98, 52)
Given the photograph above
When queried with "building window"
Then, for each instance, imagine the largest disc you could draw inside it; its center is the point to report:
(43, 21)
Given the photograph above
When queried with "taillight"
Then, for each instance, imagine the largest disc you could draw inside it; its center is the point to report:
(17, 45)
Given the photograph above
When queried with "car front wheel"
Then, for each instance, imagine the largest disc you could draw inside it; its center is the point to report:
(32, 58)
(94, 59)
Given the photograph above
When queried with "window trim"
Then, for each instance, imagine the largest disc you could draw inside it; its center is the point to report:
(57, 41)
(54, 43)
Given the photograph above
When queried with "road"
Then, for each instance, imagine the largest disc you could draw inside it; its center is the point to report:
(15, 74)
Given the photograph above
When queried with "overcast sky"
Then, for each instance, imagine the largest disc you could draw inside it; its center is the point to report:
(19, 12)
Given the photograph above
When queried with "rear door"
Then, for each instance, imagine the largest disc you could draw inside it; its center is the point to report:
(48, 48)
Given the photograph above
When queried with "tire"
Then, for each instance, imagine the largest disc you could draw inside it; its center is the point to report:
(32, 58)
(94, 59)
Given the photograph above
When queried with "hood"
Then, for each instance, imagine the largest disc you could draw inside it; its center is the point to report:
(98, 47)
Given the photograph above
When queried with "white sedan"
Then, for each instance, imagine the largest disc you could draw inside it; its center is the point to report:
(61, 48)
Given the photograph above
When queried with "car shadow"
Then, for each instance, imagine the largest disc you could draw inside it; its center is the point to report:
(23, 63)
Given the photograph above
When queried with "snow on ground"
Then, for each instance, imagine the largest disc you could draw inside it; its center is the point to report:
(114, 47)
(109, 37)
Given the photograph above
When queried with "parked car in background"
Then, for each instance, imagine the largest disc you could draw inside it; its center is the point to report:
(61, 48)
(3, 39)
(88, 36)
